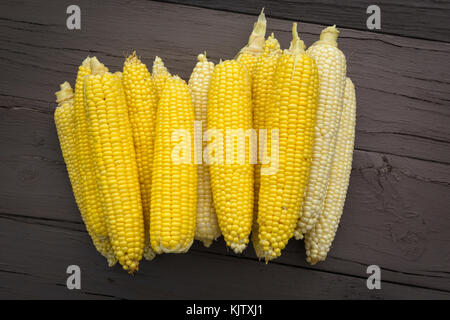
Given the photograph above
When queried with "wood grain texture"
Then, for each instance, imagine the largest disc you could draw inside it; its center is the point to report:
(396, 213)
(196, 275)
(424, 19)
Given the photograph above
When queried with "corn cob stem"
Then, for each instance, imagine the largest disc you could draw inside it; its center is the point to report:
(329, 35)
(248, 54)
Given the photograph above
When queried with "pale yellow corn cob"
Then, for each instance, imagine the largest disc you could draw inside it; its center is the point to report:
(248, 54)
(332, 70)
(318, 240)
(111, 141)
(65, 120)
(292, 110)
(207, 228)
(141, 102)
(159, 75)
(230, 108)
(174, 180)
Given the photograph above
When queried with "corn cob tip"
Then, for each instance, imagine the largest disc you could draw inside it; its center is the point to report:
(272, 46)
(312, 261)
(256, 40)
(158, 60)
(159, 67)
(259, 27)
(330, 35)
(66, 93)
(149, 254)
(202, 57)
(297, 45)
(132, 58)
(207, 242)
(65, 86)
(112, 261)
(238, 247)
(97, 67)
(298, 235)
(176, 78)
(86, 62)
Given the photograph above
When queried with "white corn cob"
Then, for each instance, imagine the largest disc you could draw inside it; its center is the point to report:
(332, 70)
(207, 228)
(319, 239)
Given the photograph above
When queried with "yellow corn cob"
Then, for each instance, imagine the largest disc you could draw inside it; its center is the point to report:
(90, 194)
(207, 228)
(230, 108)
(319, 239)
(141, 102)
(111, 141)
(262, 86)
(332, 70)
(255, 46)
(66, 126)
(174, 180)
(159, 75)
(93, 215)
(292, 111)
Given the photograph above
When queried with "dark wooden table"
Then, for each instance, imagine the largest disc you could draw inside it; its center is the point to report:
(397, 213)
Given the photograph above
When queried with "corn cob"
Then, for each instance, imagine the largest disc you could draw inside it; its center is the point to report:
(292, 110)
(332, 69)
(159, 75)
(90, 194)
(66, 126)
(139, 93)
(319, 239)
(230, 108)
(207, 228)
(174, 180)
(111, 141)
(262, 86)
(249, 54)
(93, 215)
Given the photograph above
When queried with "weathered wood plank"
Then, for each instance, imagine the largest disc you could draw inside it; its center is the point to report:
(395, 214)
(392, 218)
(50, 248)
(417, 19)
(397, 209)
(402, 84)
